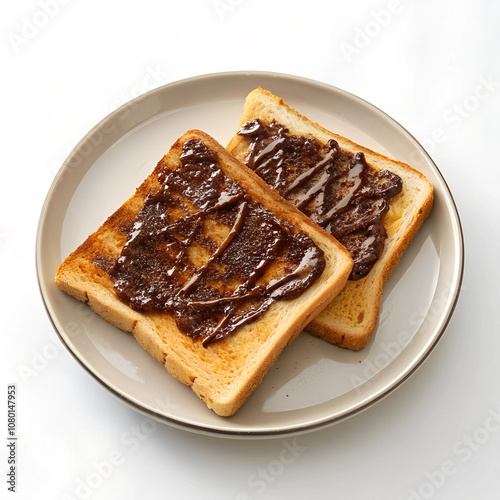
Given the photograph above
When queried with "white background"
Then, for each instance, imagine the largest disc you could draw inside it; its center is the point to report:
(433, 66)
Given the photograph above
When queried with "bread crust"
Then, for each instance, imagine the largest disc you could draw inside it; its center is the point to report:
(224, 373)
(350, 320)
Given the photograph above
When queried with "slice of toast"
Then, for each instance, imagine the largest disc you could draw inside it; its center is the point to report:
(212, 272)
(351, 318)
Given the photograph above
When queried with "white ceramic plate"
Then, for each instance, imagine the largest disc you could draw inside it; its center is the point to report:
(313, 384)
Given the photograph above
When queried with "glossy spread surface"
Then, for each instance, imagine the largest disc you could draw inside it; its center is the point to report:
(203, 250)
(336, 189)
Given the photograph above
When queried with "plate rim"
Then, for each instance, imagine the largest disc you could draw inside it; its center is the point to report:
(297, 429)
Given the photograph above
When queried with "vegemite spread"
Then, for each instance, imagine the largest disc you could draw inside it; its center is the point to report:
(203, 250)
(336, 189)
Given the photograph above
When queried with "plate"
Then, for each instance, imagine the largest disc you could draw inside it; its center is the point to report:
(313, 384)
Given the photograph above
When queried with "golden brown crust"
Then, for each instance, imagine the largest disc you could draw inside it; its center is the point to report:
(226, 372)
(350, 320)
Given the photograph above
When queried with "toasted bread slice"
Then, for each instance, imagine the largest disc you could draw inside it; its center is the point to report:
(351, 318)
(223, 371)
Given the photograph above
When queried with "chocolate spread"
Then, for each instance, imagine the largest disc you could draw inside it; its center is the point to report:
(336, 189)
(176, 258)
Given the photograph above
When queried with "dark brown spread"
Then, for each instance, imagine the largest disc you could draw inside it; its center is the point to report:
(336, 189)
(203, 250)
